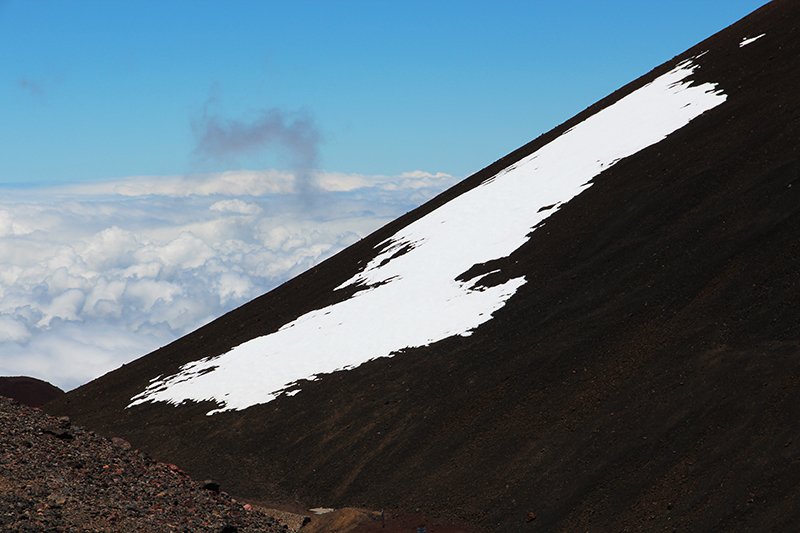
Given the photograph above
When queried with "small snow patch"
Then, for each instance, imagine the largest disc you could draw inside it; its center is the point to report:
(747, 41)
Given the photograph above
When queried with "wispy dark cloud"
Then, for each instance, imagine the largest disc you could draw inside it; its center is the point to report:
(42, 85)
(33, 87)
(292, 136)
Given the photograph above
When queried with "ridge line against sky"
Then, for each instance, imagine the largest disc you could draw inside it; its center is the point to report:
(162, 164)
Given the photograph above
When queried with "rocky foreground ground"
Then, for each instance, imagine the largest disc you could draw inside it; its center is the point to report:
(59, 477)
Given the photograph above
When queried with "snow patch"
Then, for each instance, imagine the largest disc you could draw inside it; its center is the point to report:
(415, 298)
(747, 41)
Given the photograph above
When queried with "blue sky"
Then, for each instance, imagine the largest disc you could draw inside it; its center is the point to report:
(97, 90)
(162, 163)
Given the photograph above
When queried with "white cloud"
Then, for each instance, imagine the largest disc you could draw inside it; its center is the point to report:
(12, 330)
(231, 183)
(96, 274)
(236, 206)
(8, 227)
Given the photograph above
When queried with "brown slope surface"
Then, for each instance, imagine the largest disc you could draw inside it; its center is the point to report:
(646, 377)
(29, 391)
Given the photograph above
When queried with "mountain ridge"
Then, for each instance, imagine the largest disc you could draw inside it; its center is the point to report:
(604, 394)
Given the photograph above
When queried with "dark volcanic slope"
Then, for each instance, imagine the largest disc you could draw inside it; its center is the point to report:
(646, 377)
(29, 391)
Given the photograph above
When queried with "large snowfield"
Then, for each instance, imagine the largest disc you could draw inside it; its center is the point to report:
(414, 299)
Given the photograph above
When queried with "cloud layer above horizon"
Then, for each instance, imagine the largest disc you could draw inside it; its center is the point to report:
(99, 273)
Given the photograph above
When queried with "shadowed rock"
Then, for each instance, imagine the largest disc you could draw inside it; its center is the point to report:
(28, 391)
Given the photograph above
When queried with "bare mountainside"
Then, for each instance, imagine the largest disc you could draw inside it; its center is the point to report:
(631, 361)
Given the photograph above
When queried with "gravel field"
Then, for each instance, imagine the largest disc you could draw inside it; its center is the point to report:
(58, 477)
